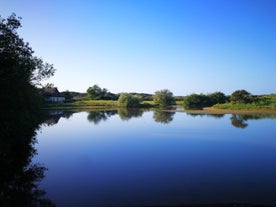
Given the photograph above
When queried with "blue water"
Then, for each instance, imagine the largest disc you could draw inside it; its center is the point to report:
(152, 158)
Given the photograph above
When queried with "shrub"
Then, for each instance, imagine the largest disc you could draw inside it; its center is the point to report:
(198, 101)
(128, 100)
(241, 96)
(163, 98)
(217, 98)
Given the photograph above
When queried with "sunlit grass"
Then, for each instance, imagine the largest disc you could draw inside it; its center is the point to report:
(264, 102)
(96, 103)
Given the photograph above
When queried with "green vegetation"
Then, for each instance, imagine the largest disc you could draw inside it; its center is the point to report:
(263, 102)
(84, 103)
(97, 93)
(163, 98)
(128, 100)
(239, 100)
(198, 101)
(241, 96)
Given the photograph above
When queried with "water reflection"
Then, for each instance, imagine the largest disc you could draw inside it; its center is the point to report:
(134, 164)
(52, 117)
(159, 116)
(98, 116)
(126, 114)
(163, 117)
(208, 115)
(237, 120)
(19, 178)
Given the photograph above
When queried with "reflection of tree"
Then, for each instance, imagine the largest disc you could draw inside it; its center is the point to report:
(19, 179)
(98, 116)
(208, 115)
(238, 121)
(128, 113)
(163, 117)
(52, 117)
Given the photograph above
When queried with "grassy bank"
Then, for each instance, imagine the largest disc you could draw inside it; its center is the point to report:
(93, 104)
(240, 106)
(264, 102)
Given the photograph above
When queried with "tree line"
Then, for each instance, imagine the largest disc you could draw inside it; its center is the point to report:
(165, 97)
(161, 98)
(21, 73)
(198, 101)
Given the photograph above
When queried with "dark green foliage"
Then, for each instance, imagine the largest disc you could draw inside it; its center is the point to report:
(198, 101)
(21, 102)
(143, 96)
(163, 98)
(128, 100)
(97, 93)
(217, 98)
(20, 71)
(241, 96)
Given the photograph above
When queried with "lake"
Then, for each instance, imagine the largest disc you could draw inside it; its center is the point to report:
(149, 158)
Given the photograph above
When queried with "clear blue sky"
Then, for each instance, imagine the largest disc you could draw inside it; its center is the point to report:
(186, 46)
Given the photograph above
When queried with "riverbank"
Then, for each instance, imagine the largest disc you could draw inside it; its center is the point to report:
(104, 104)
(211, 110)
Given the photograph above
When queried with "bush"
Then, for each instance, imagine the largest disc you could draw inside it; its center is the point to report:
(97, 93)
(163, 98)
(217, 98)
(128, 100)
(198, 101)
(241, 96)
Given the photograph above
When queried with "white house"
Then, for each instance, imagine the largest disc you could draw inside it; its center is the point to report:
(52, 95)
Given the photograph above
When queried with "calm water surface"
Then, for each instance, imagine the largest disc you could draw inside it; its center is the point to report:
(132, 158)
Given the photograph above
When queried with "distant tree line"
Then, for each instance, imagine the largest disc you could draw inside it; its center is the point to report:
(198, 101)
(161, 98)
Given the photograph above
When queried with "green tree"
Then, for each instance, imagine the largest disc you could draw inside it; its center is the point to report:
(20, 70)
(97, 93)
(94, 92)
(128, 100)
(163, 98)
(196, 101)
(217, 98)
(241, 96)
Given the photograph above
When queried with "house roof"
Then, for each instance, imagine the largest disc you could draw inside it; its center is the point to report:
(51, 92)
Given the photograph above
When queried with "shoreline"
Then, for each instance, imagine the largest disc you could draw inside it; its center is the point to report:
(210, 110)
(206, 110)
